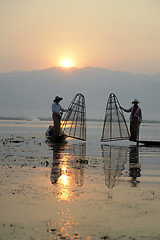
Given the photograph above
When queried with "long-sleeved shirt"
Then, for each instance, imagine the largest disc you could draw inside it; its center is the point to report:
(138, 113)
(56, 108)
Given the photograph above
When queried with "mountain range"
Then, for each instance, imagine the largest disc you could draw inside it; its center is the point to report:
(30, 94)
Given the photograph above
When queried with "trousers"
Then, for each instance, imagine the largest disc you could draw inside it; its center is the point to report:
(134, 129)
(57, 123)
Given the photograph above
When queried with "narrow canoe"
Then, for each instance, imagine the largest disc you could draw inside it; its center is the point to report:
(150, 143)
(59, 138)
(52, 138)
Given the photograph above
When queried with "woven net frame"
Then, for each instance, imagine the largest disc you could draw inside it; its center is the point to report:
(115, 127)
(74, 120)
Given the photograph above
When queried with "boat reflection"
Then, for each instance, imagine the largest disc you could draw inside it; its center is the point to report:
(134, 166)
(67, 172)
(114, 160)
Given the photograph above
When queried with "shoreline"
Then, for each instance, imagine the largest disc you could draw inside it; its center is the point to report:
(50, 119)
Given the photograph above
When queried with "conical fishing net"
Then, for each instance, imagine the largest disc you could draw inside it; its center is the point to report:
(74, 121)
(115, 127)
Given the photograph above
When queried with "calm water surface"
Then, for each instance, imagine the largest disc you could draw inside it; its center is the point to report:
(76, 167)
(114, 158)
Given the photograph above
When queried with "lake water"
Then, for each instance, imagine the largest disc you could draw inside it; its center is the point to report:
(84, 180)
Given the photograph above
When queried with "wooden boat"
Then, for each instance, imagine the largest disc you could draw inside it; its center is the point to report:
(52, 138)
(150, 143)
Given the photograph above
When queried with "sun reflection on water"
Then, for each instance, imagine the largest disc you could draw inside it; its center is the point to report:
(64, 179)
(64, 183)
(66, 227)
(67, 124)
(67, 173)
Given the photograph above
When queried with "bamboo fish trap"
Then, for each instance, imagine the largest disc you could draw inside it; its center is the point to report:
(74, 121)
(114, 127)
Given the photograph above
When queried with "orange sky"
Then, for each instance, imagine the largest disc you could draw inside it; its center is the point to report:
(119, 35)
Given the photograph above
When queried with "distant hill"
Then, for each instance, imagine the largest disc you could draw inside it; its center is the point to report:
(30, 94)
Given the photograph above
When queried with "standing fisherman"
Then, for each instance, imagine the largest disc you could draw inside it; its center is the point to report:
(57, 111)
(135, 120)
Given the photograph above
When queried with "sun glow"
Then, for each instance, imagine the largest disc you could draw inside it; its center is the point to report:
(67, 63)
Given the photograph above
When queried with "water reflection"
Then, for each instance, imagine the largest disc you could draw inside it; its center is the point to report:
(56, 169)
(114, 160)
(79, 151)
(66, 226)
(134, 166)
(67, 175)
(67, 172)
(69, 163)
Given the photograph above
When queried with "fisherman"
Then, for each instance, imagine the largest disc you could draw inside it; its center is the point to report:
(57, 111)
(135, 120)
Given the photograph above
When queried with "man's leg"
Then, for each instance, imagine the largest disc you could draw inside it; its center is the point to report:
(134, 129)
(56, 121)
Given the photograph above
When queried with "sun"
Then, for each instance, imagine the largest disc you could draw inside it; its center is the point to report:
(67, 63)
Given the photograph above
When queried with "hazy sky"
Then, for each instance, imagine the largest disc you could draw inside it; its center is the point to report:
(118, 35)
